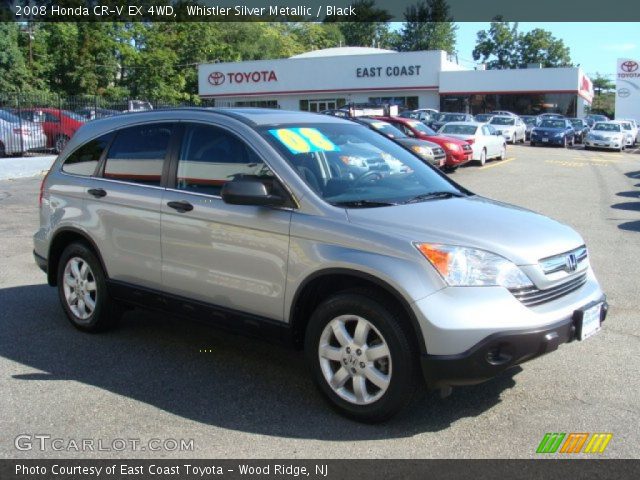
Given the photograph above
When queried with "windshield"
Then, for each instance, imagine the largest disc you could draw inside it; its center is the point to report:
(577, 123)
(388, 129)
(502, 121)
(529, 120)
(453, 117)
(626, 126)
(9, 117)
(552, 124)
(422, 128)
(453, 129)
(607, 127)
(351, 166)
(483, 117)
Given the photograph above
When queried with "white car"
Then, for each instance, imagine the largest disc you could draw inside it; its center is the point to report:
(18, 136)
(630, 130)
(609, 135)
(634, 124)
(486, 142)
(511, 128)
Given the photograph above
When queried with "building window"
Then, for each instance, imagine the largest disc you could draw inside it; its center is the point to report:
(520, 103)
(257, 103)
(410, 103)
(321, 104)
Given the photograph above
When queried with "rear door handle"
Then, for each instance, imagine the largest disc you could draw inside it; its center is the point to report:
(181, 206)
(97, 192)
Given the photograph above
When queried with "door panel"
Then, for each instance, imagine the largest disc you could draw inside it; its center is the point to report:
(233, 256)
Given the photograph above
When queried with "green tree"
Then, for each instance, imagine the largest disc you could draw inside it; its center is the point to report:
(428, 26)
(602, 84)
(371, 29)
(13, 70)
(498, 47)
(540, 46)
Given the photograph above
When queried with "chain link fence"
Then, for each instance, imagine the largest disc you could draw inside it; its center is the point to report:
(37, 123)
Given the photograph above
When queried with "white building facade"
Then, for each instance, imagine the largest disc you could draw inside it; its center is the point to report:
(327, 79)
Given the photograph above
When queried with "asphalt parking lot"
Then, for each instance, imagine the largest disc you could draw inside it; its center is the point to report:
(161, 377)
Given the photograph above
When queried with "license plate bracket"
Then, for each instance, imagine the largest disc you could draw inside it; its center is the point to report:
(588, 320)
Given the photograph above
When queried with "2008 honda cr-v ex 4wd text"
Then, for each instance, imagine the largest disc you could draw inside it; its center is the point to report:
(315, 230)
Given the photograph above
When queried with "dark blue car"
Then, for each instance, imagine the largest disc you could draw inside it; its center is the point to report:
(554, 131)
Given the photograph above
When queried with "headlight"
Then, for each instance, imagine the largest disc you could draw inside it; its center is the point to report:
(424, 152)
(353, 161)
(461, 266)
(452, 146)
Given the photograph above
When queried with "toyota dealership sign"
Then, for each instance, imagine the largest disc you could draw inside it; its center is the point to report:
(628, 88)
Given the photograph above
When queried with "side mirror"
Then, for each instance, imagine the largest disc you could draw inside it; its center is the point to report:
(248, 191)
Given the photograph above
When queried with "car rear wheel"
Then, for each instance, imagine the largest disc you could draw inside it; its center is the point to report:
(564, 142)
(483, 157)
(83, 292)
(532, 144)
(503, 152)
(361, 356)
(3, 151)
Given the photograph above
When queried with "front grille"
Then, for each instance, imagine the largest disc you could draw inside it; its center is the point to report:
(532, 296)
(559, 262)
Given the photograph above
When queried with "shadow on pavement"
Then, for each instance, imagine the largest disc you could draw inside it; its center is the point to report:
(630, 226)
(635, 174)
(632, 194)
(633, 206)
(239, 383)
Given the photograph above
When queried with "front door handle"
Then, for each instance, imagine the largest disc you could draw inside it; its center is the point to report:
(181, 206)
(97, 192)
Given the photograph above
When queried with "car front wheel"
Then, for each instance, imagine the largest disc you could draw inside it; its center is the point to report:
(361, 356)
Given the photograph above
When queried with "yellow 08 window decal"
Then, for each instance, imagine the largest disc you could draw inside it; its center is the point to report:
(304, 140)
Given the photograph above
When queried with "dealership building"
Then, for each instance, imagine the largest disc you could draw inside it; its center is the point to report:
(330, 78)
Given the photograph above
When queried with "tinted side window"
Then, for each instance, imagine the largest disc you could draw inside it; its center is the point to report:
(211, 156)
(85, 159)
(137, 154)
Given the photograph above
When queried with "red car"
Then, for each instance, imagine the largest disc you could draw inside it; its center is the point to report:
(58, 125)
(458, 151)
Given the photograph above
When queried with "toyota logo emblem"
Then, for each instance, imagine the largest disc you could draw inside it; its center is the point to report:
(571, 263)
(216, 78)
(629, 66)
(624, 92)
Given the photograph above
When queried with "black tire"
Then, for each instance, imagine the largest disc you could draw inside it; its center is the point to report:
(405, 380)
(3, 150)
(107, 311)
(450, 170)
(532, 144)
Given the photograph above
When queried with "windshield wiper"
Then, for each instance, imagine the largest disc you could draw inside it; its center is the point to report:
(434, 196)
(363, 204)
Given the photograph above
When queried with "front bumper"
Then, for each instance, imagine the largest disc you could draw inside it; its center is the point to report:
(497, 353)
(608, 144)
(550, 140)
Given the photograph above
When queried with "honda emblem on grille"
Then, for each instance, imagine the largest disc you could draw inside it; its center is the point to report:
(571, 263)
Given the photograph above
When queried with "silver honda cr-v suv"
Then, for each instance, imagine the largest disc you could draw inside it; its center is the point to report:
(315, 230)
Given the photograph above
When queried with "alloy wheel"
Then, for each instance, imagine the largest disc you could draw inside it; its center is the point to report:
(355, 359)
(80, 288)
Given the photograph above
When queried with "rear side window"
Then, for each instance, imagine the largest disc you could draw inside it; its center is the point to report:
(137, 154)
(211, 156)
(85, 159)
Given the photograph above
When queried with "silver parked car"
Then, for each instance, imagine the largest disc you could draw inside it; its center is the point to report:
(18, 136)
(512, 128)
(608, 135)
(256, 219)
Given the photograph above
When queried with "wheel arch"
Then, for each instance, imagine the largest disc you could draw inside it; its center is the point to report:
(59, 242)
(323, 283)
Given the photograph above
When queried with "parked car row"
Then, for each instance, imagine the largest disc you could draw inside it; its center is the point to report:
(37, 128)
